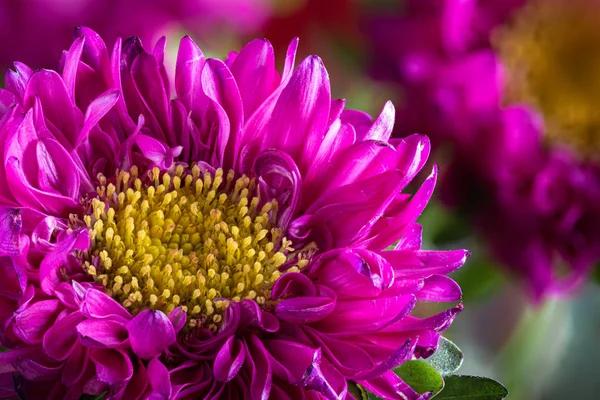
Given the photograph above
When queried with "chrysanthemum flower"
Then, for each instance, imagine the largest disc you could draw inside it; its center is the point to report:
(511, 87)
(232, 242)
(27, 23)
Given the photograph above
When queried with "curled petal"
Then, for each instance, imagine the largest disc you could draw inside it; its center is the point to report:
(159, 379)
(279, 179)
(61, 338)
(31, 324)
(112, 366)
(102, 333)
(229, 359)
(305, 310)
(10, 231)
(439, 288)
(163, 334)
(97, 304)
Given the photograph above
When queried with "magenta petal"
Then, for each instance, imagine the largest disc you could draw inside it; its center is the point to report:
(68, 296)
(156, 151)
(353, 272)
(306, 310)
(421, 264)
(439, 288)
(338, 137)
(390, 386)
(151, 91)
(75, 366)
(16, 81)
(178, 318)
(55, 169)
(159, 379)
(163, 334)
(314, 378)
(383, 125)
(50, 276)
(138, 383)
(229, 360)
(279, 179)
(94, 51)
(50, 89)
(35, 371)
(292, 358)
(97, 304)
(293, 285)
(102, 333)
(31, 324)
(299, 120)
(257, 360)
(22, 169)
(95, 111)
(10, 231)
(190, 62)
(220, 86)
(69, 71)
(254, 70)
(14, 278)
(412, 238)
(396, 224)
(361, 316)
(112, 366)
(61, 337)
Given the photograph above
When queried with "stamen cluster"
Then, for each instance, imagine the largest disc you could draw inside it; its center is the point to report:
(186, 238)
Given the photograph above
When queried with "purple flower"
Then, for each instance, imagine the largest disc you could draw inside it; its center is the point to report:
(28, 22)
(231, 242)
(502, 84)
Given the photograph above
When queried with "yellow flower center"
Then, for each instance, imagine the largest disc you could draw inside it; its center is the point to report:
(551, 50)
(185, 239)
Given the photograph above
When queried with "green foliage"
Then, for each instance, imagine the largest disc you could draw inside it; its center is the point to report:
(447, 359)
(420, 376)
(596, 274)
(434, 376)
(92, 397)
(357, 391)
(465, 387)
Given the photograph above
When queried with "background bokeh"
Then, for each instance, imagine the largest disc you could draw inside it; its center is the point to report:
(549, 350)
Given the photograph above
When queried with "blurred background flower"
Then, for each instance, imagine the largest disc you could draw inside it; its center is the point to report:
(506, 91)
(25, 25)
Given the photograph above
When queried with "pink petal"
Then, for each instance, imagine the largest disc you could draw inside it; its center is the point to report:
(439, 288)
(31, 324)
(112, 366)
(163, 334)
(229, 359)
(159, 379)
(61, 337)
(97, 304)
(10, 231)
(102, 333)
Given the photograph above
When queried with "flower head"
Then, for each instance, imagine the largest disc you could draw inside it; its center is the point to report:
(231, 242)
(504, 85)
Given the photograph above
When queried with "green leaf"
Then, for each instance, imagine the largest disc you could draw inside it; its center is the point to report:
(391, 246)
(357, 391)
(92, 397)
(447, 359)
(596, 274)
(420, 376)
(465, 387)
